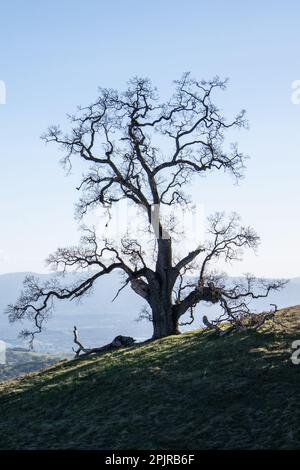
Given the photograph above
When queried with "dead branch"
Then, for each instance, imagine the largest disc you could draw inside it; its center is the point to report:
(119, 342)
(251, 321)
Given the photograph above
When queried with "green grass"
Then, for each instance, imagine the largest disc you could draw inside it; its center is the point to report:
(193, 391)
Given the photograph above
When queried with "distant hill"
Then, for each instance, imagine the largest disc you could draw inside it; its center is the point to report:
(98, 318)
(20, 362)
(193, 391)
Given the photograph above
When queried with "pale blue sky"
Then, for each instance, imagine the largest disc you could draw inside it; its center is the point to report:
(54, 55)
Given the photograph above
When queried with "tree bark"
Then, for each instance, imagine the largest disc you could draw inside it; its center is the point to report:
(165, 322)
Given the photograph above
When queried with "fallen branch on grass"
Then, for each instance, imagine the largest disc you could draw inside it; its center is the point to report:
(119, 342)
(251, 321)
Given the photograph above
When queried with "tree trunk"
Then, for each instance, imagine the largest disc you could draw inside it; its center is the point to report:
(165, 322)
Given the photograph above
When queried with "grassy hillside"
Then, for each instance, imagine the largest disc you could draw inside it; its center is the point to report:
(194, 391)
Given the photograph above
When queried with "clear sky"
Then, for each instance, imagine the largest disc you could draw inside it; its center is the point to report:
(54, 55)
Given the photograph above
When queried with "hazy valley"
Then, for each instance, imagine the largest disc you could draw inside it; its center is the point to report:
(99, 320)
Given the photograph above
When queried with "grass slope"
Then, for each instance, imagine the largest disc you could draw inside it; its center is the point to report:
(193, 391)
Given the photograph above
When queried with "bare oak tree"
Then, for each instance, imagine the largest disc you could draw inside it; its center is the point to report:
(148, 152)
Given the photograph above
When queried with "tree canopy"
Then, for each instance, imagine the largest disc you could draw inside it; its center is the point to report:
(148, 152)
